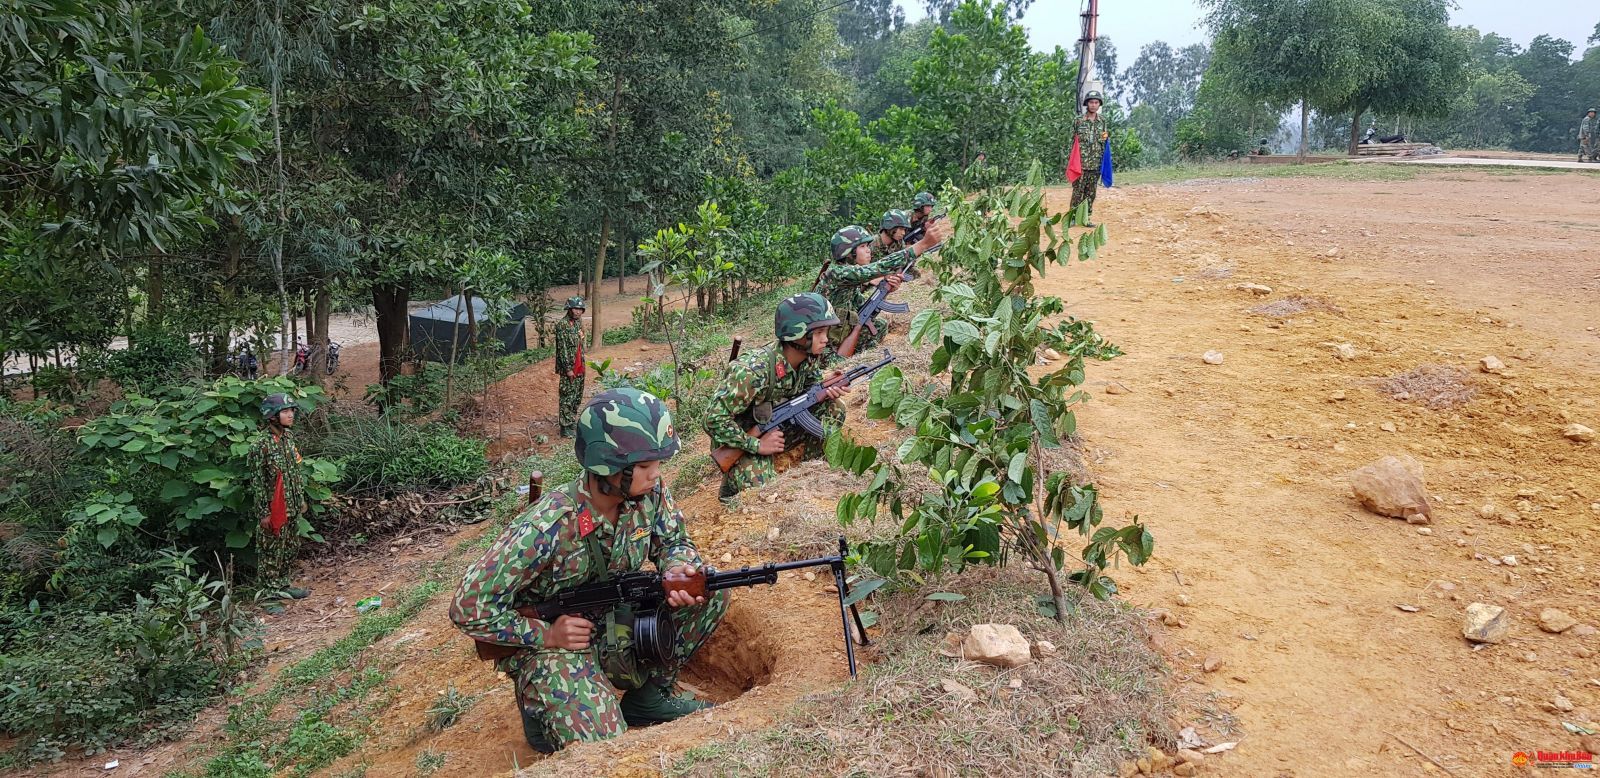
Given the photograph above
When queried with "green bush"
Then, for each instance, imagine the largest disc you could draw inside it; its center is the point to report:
(41, 476)
(383, 455)
(82, 679)
(153, 358)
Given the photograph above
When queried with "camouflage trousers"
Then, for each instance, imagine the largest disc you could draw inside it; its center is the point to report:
(573, 695)
(754, 470)
(571, 399)
(1086, 186)
(1588, 149)
(275, 554)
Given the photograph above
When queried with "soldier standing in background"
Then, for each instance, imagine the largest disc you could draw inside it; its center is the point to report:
(1589, 137)
(612, 519)
(569, 364)
(1090, 130)
(280, 501)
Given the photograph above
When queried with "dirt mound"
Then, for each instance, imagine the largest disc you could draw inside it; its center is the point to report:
(1440, 387)
(1293, 305)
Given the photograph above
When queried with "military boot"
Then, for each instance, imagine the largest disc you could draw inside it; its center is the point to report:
(655, 704)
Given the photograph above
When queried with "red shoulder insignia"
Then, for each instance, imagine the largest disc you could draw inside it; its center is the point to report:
(783, 368)
(585, 522)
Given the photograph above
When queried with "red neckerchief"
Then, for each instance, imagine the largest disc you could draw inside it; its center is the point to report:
(278, 513)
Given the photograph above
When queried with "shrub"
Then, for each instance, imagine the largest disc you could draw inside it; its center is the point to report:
(41, 476)
(383, 455)
(153, 358)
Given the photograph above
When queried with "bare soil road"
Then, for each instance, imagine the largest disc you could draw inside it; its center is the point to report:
(1241, 469)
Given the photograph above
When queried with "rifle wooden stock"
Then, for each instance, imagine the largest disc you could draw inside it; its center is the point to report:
(738, 343)
(535, 486)
(491, 652)
(728, 456)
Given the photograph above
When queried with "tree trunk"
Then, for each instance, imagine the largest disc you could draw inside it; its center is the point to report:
(1355, 132)
(317, 315)
(455, 341)
(154, 291)
(389, 302)
(599, 273)
(294, 333)
(283, 208)
(622, 262)
(1305, 131)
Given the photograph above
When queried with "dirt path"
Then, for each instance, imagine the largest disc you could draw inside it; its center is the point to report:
(1241, 469)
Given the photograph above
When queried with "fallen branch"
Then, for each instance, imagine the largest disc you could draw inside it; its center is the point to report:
(1421, 753)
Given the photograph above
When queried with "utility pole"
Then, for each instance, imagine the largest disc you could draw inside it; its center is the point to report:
(1086, 80)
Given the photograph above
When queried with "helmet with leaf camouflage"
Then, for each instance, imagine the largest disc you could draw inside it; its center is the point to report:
(800, 314)
(894, 218)
(620, 428)
(576, 302)
(923, 199)
(273, 404)
(1094, 94)
(846, 240)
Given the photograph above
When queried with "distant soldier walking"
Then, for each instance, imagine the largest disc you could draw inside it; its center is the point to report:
(279, 490)
(1589, 138)
(1090, 130)
(569, 365)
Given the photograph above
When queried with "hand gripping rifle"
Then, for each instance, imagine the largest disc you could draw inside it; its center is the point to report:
(879, 301)
(798, 411)
(915, 233)
(654, 631)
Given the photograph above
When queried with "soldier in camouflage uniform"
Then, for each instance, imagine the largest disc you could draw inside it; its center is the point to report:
(611, 519)
(921, 208)
(892, 229)
(762, 378)
(1589, 137)
(569, 364)
(1090, 130)
(980, 174)
(844, 281)
(279, 492)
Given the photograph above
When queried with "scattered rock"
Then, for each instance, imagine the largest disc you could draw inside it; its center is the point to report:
(1417, 518)
(1486, 623)
(773, 533)
(1392, 486)
(1530, 657)
(1487, 511)
(1491, 364)
(1014, 683)
(1582, 631)
(1212, 357)
(1212, 664)
(810, 576)
(1337, 395)
(1424, 530)
(1044, 649)
(1191, 756)
(957, 690)
(1183, 600)
(950, 646)
(1116, 387)
(1387, 426)
(727, 558)
(1001, 645)
(1562, 704)
(1578, 433)
(1345, 351)
(1259, 289)
(1052, 355)
(1184, 769)
(1509, 560)
(1333, 252)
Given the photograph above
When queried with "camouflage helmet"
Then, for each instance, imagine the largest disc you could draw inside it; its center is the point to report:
(1094, 94)
(846, 240)
(923, 199)
(894, 218)
(576, 302)
(273, 404)
(1591, 110)
(802, 313)
(620, 428)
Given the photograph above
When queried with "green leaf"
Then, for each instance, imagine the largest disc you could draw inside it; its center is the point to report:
(1019, 463)
(238, 538)
(963, 333)
(946, 597)
(107, 535)
(926, 323)
(860, 591)
(869, 618)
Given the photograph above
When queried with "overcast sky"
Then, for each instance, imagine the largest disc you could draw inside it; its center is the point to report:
(1133, 23)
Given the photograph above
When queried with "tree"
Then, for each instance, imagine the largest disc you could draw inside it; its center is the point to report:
(1419, 65)
(1161, 86)
(1314, 52)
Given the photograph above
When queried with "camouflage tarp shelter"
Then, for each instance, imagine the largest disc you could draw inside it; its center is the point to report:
(433, 327)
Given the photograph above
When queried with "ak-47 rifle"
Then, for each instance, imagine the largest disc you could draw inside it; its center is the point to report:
(915, 234)
(879, 301)
(798, 410)
(653, 629)
(738, 343)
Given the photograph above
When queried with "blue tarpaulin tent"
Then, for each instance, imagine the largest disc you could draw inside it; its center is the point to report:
(433, 327)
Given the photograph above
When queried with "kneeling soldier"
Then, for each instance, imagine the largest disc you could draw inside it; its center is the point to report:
(765, 377)
(845, 281)
(613, 518)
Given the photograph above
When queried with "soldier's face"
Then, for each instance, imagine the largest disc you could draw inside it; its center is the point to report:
(1093, 106)
(899, 233)
(646, 475)
(864, 254)
(819, 342)
(574, 313)
(286, 417)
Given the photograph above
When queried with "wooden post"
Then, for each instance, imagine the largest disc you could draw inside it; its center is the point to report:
(535, 486)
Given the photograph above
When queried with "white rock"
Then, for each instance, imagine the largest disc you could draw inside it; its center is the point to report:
(772, 534)
(1044, 649)
(1487, 511)
(1001, 645)
(1212, 357)
(1486, 623)
(1257, 289)
(1491, 364)
(1577, 433)
(1345, 351)
(1392, 486)
(1556, 621)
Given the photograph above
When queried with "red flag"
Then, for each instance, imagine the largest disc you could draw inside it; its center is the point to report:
(577, 359)
(278, 515)
(1075, 162)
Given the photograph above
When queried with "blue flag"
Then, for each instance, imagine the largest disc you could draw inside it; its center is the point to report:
(1105, 164)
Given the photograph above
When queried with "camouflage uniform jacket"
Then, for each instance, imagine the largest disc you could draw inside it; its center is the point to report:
(569, 346)
(544, 551)
(1587, 128)
(276, 453)
(1092, 134)
(845, 284)
(758, 378)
